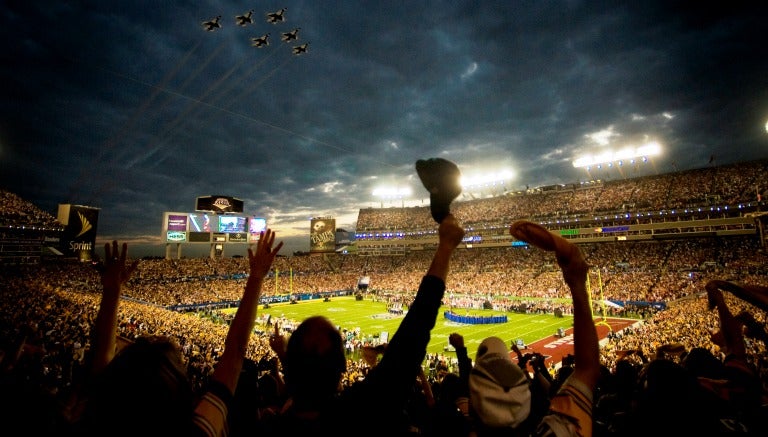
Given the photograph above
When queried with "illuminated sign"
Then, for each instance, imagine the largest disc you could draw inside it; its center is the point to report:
(177, 236)
(177, 222)
(219, 204)
(322, 235)
(238, 237)
(257, 224)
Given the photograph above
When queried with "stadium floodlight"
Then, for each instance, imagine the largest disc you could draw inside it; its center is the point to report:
(486, 179)
(619, 156)
(391, 192)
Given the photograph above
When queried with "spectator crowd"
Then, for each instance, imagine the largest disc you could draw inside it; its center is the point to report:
(695, 362)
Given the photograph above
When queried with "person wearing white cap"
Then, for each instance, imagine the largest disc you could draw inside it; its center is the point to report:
(500, 395)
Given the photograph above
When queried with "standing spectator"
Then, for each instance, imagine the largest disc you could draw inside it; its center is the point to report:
(500, 393)
(314, 363)
(143, 389)
(570, 411)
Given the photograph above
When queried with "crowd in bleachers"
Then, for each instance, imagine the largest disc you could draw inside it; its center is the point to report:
(650, 271)
(47, 310)
(731, 185)
(17, 211)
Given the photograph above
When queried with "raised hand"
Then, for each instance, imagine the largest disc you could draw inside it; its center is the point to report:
(730, 337)
(456, 340)
(450, 232)
(568, 255)
(260, 260)
(115, 273)
(277, 342)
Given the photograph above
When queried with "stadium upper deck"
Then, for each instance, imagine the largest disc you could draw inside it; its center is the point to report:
(712, 201)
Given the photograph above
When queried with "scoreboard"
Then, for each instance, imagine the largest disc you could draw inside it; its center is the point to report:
(209, 227)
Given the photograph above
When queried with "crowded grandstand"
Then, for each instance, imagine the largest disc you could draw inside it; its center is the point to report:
(655, 241)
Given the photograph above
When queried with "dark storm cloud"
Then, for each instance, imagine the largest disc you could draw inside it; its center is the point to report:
(134, 108)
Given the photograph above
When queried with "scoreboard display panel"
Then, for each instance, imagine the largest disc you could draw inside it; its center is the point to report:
(209, 227)
(203, 222)
(231, 224)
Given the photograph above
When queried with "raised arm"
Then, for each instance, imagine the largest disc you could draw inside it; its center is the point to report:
(114, 274)
(575, 268)
(211, 412)
(757, 295)
(465, 363)
(465, 367)
(730, 338)
(277, 342)
(406, 350)
(231, 363)
(450, 235)
(571, 406)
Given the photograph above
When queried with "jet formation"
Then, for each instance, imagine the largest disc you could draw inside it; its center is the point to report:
(275, 18)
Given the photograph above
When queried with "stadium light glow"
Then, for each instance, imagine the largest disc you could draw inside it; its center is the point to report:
(625, 154)
(391, 192)
(486, 179)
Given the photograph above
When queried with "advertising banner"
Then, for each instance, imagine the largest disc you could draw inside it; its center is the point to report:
(79, 236)
(322, 235)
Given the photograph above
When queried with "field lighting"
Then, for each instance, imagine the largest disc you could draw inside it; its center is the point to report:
(619, 157)
(392, 193)
(482, 181)
(486, 179)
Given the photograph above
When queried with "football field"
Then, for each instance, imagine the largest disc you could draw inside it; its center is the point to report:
(373, 320)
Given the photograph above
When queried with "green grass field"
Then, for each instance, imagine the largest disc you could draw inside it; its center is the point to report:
(372, 318)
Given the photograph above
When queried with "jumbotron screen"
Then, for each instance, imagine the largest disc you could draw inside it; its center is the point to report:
(202, 227)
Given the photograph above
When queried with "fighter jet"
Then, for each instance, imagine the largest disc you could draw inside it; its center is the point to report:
(292, 35)
(260, 41)
(276, 17)
(212, 24)
(244, 20)
(298, 50)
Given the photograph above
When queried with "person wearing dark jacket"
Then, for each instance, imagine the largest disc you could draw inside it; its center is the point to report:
(314, 363)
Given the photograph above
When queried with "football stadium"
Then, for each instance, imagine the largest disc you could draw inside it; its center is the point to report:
(652, 244)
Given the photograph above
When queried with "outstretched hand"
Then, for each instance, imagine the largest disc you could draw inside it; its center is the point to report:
(730, 337)
(115, 273)
(450, 231)
(757, 295)
(260, 260)
(277, 342)
(236, 344)
(568, 255)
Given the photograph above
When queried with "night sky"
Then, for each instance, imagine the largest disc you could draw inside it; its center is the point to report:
(136, 109)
